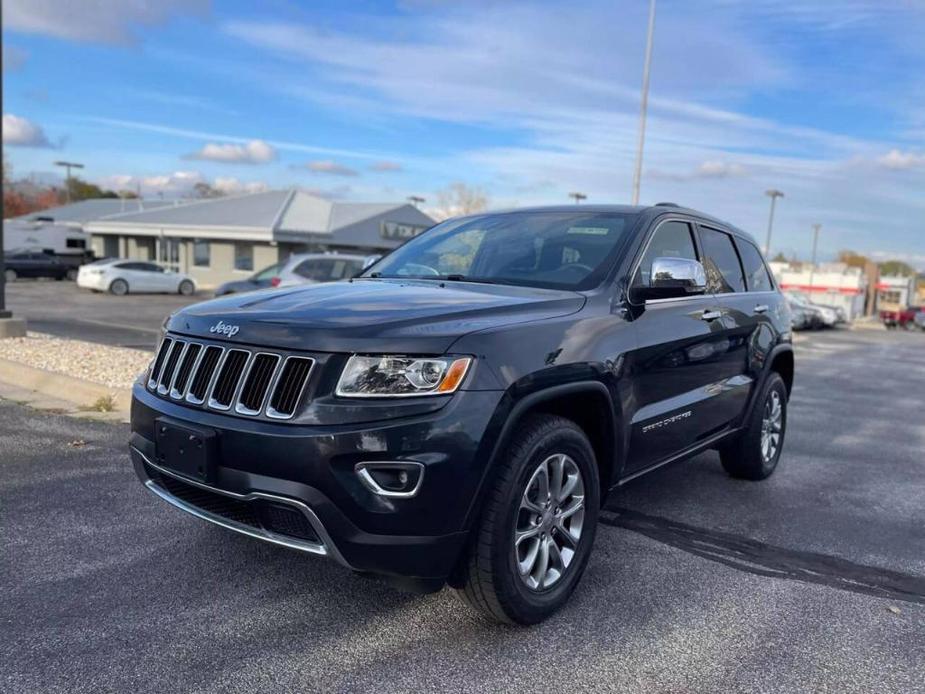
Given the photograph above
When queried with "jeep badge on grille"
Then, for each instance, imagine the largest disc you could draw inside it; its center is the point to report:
(224, 329)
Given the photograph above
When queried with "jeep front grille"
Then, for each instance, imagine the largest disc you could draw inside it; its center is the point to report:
(249, 383)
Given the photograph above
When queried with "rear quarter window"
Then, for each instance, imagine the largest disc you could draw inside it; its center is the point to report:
(757, 276)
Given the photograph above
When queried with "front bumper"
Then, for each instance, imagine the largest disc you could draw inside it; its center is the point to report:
(308, 472)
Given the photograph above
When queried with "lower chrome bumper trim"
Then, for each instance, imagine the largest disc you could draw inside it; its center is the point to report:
(325, 548)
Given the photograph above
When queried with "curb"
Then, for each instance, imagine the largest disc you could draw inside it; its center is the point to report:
(77, 391)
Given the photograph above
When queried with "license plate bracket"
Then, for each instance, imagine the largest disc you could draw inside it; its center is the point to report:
(185, 449)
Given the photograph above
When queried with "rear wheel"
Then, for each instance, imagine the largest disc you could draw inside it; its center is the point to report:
(72, 274)
(10, 275)
(118, 287)
(186, 288)
(536, 531)
(755, 453)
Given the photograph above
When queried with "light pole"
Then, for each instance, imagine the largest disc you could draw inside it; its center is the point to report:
(415, 200)
(773, 194)
(578, 197)
(637, 173)
(68, 165)
(812, 268)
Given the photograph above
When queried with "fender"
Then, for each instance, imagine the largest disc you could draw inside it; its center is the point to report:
(512, 415)
(772, 355)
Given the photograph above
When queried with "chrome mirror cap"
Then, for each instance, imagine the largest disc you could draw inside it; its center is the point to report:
(678, 275)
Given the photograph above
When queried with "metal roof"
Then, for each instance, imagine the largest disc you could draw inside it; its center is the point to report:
(89, 210)
(259, 210)
(292, 210)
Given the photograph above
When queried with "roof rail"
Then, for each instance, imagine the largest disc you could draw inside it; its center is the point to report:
(667, 204)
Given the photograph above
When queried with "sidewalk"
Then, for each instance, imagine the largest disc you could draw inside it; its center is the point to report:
(70, 376)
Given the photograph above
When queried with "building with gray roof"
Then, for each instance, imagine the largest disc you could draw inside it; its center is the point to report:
(220, 239)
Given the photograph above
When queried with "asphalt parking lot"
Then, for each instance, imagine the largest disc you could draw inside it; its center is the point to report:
(811, 581)
(60, 308)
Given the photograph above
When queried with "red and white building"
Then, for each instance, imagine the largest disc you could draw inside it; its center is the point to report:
(830, 284)
(895, 292)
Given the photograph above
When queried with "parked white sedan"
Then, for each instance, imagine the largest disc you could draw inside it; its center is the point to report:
(119, 277)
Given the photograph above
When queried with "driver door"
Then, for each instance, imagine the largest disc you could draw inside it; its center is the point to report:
(677, 367)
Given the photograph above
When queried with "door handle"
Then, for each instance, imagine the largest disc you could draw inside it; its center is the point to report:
(761, 308)
(711, 315)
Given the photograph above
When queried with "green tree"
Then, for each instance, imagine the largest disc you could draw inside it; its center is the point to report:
(779, 258)
(896, 267)
(82, 190)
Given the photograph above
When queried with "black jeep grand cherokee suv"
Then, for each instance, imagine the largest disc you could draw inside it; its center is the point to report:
(458, 413)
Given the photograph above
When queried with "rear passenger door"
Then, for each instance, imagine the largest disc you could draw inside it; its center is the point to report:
(678, 362)
(726, 279)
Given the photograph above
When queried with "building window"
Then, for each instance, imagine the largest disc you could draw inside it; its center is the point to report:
(244, 257)
(202, 253)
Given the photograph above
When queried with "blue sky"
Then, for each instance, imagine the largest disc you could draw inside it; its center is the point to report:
(376, 101)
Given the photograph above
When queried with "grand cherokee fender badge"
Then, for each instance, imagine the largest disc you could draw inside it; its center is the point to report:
(666, 422)
(225, 329)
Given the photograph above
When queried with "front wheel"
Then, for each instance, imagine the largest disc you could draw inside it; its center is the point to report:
(10, 275)
(186, 288)
(71, 274)
(755, 453)
(537, 528)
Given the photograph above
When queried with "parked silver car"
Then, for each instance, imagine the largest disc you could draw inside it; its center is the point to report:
(311, 268)
(120, 276)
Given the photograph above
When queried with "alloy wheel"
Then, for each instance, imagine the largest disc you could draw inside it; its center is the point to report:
(772, 425)
(549, 522)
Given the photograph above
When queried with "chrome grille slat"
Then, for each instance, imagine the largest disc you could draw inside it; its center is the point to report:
(186, 370)
(256, 383)
(170, 365)
(158, 364)
(211, 368)
(285, 397)
(228, 379)
(241, 380)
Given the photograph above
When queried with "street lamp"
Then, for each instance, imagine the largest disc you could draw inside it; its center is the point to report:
(773, 194)
(68, 165)
(415, 200)
(578, 197)
(812, 268)
(637, 173)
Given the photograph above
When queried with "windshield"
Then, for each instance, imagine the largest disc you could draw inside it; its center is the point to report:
(559, 250)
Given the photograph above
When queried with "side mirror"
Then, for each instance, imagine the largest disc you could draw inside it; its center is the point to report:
(674, 277)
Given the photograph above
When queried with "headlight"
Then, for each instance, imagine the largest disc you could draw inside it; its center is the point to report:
(386, 376)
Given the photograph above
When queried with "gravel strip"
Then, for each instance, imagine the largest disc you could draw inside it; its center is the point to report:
(115, 367)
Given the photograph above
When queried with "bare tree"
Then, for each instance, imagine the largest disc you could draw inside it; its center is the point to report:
(459, 199)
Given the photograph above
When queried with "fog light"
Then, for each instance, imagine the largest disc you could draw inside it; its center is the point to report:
(396, 479)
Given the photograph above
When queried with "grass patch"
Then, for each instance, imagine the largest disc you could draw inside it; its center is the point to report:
(104, 403)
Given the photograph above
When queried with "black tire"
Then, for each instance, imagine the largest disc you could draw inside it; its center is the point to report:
(491, 582)
(71, 274)
(118, 287)
(10, 275)
(186, 288)
(745, 457)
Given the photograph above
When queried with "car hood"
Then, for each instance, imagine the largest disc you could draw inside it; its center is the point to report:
(412, 316)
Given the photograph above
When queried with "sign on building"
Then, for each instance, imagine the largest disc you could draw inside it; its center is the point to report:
(397, 231)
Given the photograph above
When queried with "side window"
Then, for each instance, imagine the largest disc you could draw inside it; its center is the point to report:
(721, 262)
(244, 257)
(756, 273)
(128, 266)
(671, 240)
(317, 270)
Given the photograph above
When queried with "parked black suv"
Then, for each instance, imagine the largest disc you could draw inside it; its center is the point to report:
(459, 412)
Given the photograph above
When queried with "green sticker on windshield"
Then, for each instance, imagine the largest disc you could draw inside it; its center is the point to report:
(589, 231)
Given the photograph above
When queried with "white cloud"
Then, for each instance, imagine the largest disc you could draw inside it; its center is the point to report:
(178, 184)
(331, 168)
(253, 152)
(384, 166)
(21, 132)
(705, 170)
(232, 186)
(103, 21)
(897, 160)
